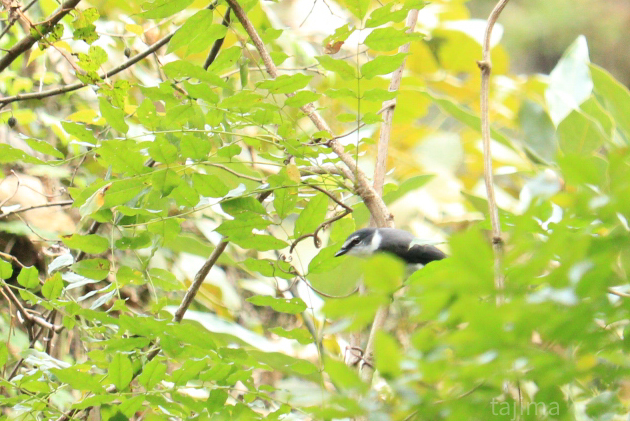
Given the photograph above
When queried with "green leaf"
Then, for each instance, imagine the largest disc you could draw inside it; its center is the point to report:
(467, 117)
(193, 147)
(286, 84)
(123, 157)
(358, 8)
(283, 305)
(209, 185)
(161, 150)
(539, 131)
(325, 260)
(341, 93)
(165, 181)
(77, 379)
(80, 131)
(197, 33)
(312, 215)
(183, 69)
(577, 133)
(570, 82)
(92, 268)
(120, 371)
(382, 65)
(242, 226)
(387, 355)
(153, 373)
(53, 287)
(284, 200)
(115, 117)
(160, 9)
(343, 376)
(29, 277)
(303, 336)
(243, 204)
(345, 70)
(387, 39)
(188, 371)
(614, 97)
(185, 196)
(4, 354)
(378, 95)
(167, 228)
(385, 14)
(43, 147)
(91, 244)
(302, 98)
(383, 273)
(6, 270)
(165, 280)
(260, 242)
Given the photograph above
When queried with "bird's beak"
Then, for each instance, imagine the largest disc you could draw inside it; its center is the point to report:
(341, 252)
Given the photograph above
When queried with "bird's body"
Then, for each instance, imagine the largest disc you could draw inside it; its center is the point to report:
(401, 243)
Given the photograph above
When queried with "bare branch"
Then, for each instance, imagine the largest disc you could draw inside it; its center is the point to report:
(486, 68)
(45, 205)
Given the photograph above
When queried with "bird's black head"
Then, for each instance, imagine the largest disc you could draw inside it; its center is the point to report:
(367, 241)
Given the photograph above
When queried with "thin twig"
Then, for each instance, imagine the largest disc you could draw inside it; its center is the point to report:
(31, 318)
(45, 205)
(485, 65)
(78, 85)
(367, 370)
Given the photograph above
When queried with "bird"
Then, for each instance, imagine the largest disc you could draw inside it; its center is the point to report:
(368, 241)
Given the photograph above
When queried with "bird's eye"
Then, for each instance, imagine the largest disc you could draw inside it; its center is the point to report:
(354, 241)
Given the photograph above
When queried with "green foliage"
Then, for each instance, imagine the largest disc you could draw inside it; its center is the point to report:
(171, 163)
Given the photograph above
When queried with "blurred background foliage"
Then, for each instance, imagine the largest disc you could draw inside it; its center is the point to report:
(249, 347)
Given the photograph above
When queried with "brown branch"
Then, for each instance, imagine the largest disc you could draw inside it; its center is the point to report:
(373, 202)
(367, 370)
(28, 41)
(45, 205)
(16, 18)
(12, 258)
(214, 51)
(31, 318)
(485, 65)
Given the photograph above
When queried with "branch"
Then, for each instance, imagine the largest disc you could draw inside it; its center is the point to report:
(388, 113)
(45, 205)
(31, 318)
(78, 85)
(367, 370)
(485, 65)
(374, 203)
(28, 41)
(214, 51)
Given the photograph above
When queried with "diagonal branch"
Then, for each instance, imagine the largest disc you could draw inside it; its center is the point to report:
(485, 65)
(374, 203)
(28, 41)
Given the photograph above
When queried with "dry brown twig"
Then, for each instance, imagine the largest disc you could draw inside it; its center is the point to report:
(485, 65)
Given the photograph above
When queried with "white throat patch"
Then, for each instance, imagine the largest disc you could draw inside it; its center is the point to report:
(376, 241)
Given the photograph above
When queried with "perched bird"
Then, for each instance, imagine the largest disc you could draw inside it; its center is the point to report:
(403, 244)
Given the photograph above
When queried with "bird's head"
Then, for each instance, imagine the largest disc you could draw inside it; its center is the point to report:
(368, 241)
